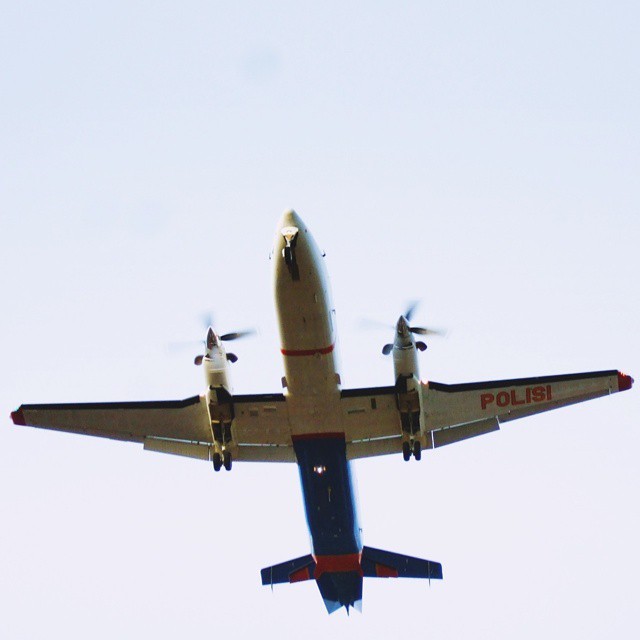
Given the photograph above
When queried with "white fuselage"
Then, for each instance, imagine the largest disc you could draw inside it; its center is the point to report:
(307, 328)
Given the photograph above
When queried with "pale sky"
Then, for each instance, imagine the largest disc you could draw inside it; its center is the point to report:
(480, 157)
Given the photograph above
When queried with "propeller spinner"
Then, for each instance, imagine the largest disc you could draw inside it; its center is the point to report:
(403, 330)
(214, 341)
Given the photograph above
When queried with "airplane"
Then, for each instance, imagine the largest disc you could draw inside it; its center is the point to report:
(319, 425)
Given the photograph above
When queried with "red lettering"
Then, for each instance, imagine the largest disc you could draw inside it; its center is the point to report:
(485, 399)
(511, 398)
(537, 394)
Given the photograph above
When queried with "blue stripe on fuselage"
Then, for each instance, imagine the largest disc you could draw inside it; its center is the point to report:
(327, 490)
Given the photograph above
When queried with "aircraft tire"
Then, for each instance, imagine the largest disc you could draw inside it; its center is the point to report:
(417, 449)
(406, 451)
(226, 459)
(217, 461)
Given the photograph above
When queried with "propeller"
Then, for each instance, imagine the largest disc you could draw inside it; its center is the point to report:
(410, 310)
(226, 337)
(209, 342)
(420, 331)
(237, 335)
(423, 331)
(405, 320)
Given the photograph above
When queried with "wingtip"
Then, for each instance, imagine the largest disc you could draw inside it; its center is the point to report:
(625, 382)
(18, 417)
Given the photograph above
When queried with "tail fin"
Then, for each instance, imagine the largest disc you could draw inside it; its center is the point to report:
(377, 563)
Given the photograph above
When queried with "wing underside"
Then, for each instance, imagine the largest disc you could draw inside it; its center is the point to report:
(372, 425)
(452, 413)
(179, 427)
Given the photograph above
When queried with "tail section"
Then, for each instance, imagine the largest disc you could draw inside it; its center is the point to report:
(297, 570)
(377, 563)
(339, 578)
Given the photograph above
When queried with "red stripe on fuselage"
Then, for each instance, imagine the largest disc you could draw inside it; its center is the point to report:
(337, 564)
(307, 352)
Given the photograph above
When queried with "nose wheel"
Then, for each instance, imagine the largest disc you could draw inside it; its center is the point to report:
(226, 459)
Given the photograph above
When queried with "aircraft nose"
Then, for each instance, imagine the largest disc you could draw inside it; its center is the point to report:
(291, 219)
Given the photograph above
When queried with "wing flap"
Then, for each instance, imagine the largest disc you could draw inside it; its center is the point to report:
(261, 420)
(464, 431)
(374, 447)
(369, 413)
(264, 453)
(178, 448)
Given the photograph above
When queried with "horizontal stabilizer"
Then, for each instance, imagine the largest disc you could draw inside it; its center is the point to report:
(377, 563)
(290, 571)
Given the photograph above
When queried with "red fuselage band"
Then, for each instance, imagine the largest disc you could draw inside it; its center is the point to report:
(307, 352)
(337, 564)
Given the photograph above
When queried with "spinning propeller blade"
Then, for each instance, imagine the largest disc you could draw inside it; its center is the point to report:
(236, 335)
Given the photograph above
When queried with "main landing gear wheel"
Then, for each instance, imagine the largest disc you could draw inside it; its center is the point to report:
(226, 459)
(406, 451)
(217, 461)
(417, 449)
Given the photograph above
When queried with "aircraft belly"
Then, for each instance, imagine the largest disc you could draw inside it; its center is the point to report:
(328, 495)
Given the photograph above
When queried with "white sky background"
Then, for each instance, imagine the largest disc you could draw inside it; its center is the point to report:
(481, 157)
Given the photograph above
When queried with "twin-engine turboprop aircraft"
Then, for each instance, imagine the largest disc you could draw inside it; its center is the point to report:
(318, 424)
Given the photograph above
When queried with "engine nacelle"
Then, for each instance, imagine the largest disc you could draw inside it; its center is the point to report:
(216, 372)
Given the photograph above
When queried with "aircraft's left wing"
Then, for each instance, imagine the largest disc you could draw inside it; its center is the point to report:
(460, 411)
(452, 413)
(181, 427)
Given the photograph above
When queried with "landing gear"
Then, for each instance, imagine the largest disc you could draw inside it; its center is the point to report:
(226, 459)
(222, 437)
(222, 460)
(415, 422)
(411, 448)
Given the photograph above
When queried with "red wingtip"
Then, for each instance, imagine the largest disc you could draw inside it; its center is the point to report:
(624, 381)
(18, 418)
